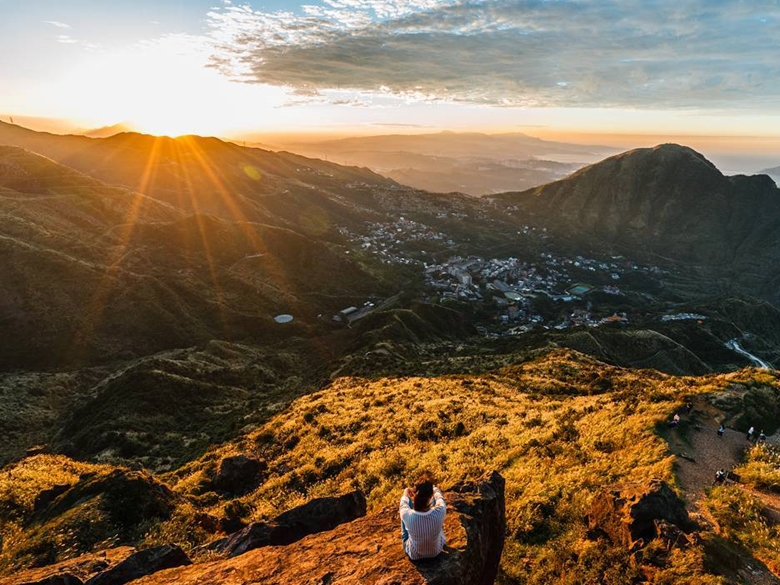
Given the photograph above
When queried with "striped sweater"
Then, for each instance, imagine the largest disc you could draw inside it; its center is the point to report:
(426, 529)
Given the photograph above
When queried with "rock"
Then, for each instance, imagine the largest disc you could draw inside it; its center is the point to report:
(630, 516)
(140, 564)
(368, 551)
(46, 497)
(672, 535)
(239, 474)
(318, 515)
(64, 579)
(129, 497)
(73, 571)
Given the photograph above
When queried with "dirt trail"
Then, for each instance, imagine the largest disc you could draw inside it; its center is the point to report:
(702, 452)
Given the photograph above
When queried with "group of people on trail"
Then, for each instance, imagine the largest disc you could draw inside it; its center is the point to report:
(422, 511)
(758, 439)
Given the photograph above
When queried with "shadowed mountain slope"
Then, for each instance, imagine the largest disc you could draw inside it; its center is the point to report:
(208, 175)
(669, 200)
(92, 271)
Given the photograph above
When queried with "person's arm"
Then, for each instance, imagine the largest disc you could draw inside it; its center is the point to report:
(438, 498)
(403, 507)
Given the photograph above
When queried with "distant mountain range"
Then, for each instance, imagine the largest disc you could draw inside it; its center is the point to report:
(774, 172)
(466, 162)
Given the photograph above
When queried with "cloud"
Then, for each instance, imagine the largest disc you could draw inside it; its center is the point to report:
(58, 24)
(536, 53)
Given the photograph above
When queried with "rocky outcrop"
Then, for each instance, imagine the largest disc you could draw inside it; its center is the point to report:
(368, 551)
(318, 515)
(638, 513)
(64, 579)
(238, 474)
(73, 571)
(140, 564)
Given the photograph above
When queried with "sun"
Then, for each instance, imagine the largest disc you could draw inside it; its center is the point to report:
(163, 87)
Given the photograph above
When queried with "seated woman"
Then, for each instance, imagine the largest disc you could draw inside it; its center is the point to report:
(422, 512)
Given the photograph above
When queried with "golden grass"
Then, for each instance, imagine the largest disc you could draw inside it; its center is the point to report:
(559, 429)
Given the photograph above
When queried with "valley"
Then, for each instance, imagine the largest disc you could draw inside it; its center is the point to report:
(548, 335)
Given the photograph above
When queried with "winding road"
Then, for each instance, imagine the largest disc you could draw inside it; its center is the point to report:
(734, 345)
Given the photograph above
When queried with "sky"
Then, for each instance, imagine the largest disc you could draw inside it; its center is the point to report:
(551, 68)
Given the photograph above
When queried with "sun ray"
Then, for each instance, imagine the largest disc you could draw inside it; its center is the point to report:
(250, 229)
(95, 308)
(198, 216)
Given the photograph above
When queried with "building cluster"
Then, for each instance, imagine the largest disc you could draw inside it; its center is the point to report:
(393, 242)
(511, 288)
(683, 317)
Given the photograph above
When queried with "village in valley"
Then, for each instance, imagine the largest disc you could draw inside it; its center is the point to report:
(510, 295)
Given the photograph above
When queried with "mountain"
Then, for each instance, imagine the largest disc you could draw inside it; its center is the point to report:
(668, 201)
(774, 172)
(93, 271)
(208, 175)
(456, 145)
(471, 163)
(107, 131)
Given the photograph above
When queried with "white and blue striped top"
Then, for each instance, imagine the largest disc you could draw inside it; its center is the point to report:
(426, 529)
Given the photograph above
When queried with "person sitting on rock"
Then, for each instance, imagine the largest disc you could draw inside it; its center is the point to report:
(422, 512)
(761, 437)
(720, 476)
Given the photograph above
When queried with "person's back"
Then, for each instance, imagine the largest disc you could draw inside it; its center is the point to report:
(422, 511)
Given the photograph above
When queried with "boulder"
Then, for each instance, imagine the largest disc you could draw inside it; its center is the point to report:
(238, 474)
(318, 515)
(63, 579)
(631, 516)
(73, 571)
(140, 564)
(368, 551)
(46, 497)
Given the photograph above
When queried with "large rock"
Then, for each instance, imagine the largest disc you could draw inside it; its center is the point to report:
(238, 474)
(140, 564)
(64, 579)
(73, 571)
(638, 513)
(318, 515)
(368, 551)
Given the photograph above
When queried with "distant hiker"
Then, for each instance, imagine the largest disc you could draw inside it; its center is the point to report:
(675, 420)
(721, 430)
(688, 408)
(720, 476)
(761, 437)
(751, 432)
(422, 511)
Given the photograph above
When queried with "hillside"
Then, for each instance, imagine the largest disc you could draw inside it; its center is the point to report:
(96, 272)
(559, 428)
(668, 199)
(205, 175)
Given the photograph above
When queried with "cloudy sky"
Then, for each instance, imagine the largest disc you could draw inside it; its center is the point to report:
(577, 66)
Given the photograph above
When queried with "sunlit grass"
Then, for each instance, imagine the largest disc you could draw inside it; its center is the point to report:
(559, 429)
